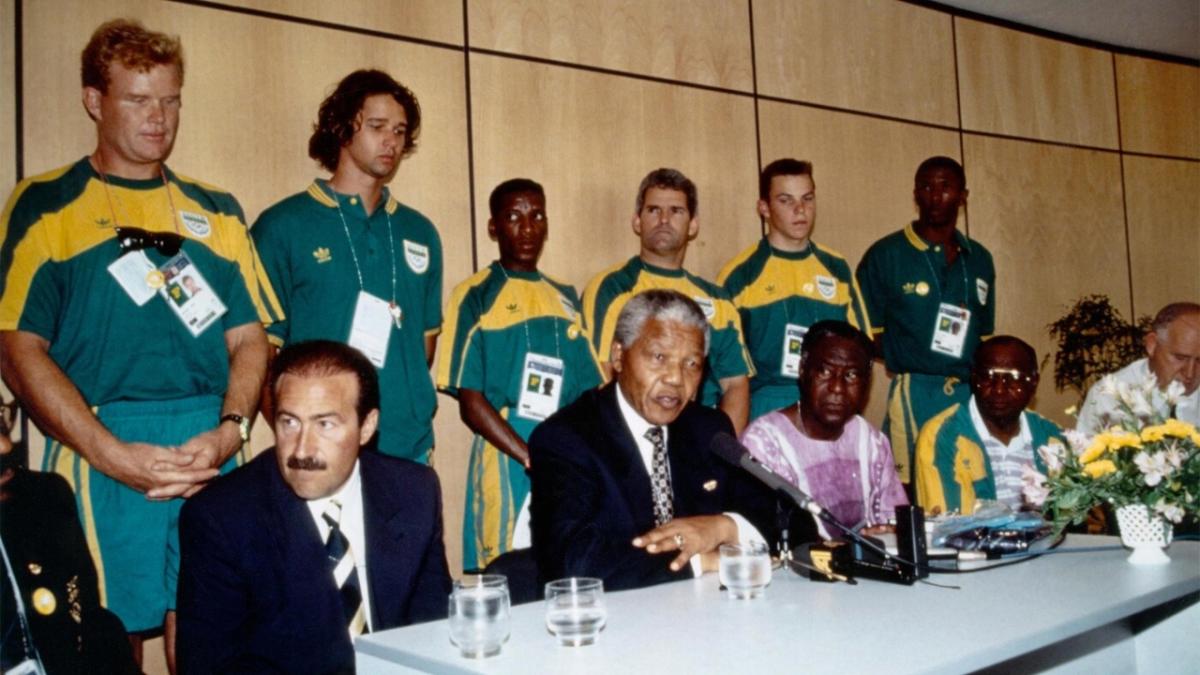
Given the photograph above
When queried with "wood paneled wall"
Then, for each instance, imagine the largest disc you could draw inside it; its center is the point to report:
(1083, 165)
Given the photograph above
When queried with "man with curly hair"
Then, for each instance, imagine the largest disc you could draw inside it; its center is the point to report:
(353, 264)
(143, 397)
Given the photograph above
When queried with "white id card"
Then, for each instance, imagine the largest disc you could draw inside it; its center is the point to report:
(132, 271)
(372, 327)
(950, 329)
(541, 386)
(793, 338)
(188, 294)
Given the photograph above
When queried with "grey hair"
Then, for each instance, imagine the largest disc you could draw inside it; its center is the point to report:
(668, 179)
(1167, 315)
(658, 304)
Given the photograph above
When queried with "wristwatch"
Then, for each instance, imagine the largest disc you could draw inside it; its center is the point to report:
(242, 422)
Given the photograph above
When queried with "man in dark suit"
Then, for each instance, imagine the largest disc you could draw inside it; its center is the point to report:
(289, 557)
(624, 485)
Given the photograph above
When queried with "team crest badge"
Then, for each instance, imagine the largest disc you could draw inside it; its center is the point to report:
(826, 286)
(196, 223)
(706, 305)
(417, 256)
(981, 287)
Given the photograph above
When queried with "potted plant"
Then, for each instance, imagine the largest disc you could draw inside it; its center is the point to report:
(1146, 466)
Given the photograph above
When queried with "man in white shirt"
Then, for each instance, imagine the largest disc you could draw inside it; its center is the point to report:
(1172, 360)
(274, 574)
(625, 487)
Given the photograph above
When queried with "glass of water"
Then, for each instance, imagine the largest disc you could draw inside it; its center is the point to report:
(575, 610)
(479, 614)
(745, 569)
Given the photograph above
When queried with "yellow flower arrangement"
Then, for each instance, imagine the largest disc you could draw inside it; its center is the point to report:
(1099, 468)
(1173, 428)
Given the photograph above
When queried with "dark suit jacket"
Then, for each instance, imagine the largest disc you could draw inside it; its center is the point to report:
(256, 593)
(592, 495)
(44, 540)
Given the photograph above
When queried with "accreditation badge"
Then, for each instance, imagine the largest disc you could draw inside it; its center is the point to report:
(793, 339)
(541, 386)
(134, 273)
(950, 330)
(371, 329)
(189, 294)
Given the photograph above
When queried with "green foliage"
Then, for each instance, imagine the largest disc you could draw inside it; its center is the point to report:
(1092, 340)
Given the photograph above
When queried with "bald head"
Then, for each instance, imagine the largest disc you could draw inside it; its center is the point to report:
(1173, 346)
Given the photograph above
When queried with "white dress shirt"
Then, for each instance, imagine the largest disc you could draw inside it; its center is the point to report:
(638, 426)
(351, 524)
(1099, 408)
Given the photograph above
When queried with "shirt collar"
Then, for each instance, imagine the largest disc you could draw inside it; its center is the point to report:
(910, 233)
(349, 493)
(1024, 436)
(638, 425)
(324, 194)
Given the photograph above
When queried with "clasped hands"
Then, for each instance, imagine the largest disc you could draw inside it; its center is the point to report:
(689, 536)
(166, 472)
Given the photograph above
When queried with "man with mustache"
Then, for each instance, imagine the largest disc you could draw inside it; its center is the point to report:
(313, 542)
(353, 264)
(664, 220)
(143, 399)
(514, 353)
(931, 296)
(979, 449)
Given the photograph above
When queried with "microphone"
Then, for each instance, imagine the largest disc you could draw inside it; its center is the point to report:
(731, 451)
(866, 556)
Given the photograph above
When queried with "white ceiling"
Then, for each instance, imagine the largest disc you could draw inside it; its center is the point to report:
(1163, 26)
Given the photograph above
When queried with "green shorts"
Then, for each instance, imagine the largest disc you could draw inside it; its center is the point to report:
(134, 541)
(913, 399)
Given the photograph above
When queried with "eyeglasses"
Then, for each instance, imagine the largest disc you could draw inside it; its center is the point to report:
(136, 239)
(1010, 377)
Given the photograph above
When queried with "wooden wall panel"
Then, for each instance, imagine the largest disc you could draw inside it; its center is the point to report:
(1162, 199)
(705, 42)
(1160, 106)
(8, 95)
(556, 125)
(878, 56)
(439, 20)
(1052, 218)
(1023, 85)
(863, 169)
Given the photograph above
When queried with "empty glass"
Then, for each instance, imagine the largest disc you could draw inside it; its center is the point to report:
(745, 569)
(575, 610)
(479, 614)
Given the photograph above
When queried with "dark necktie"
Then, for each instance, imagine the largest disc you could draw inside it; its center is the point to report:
(337, 547)
(660, 478)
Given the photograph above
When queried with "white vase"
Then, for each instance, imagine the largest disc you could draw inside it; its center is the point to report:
(1146, 532)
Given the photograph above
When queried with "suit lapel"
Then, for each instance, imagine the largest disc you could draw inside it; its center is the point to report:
(390, 562)
(301, 558)
(622, 454)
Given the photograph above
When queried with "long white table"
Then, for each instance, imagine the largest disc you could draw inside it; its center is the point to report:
(1076, 612)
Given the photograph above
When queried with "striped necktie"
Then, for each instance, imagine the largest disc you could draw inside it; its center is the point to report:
(660, 478)
(337, 547)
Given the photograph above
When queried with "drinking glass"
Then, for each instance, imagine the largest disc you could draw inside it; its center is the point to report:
(745, 569)
(575, 610)
(479, 614)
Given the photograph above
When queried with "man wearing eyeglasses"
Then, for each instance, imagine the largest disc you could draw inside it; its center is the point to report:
(144, 396)
(979, 449)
